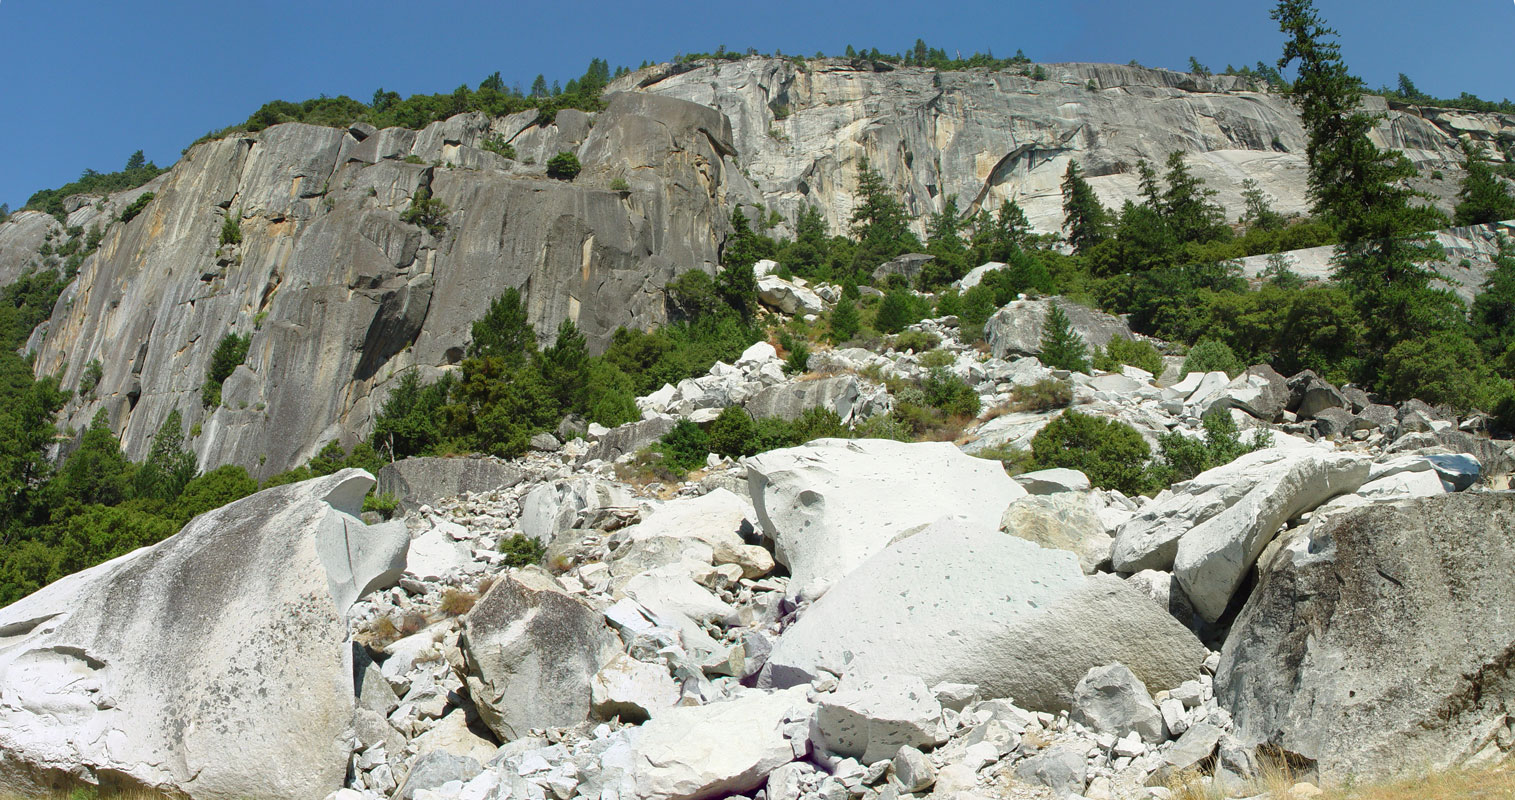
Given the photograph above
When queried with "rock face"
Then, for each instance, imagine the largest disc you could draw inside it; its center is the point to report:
(831, 504)
(532, 651)
(964, 603)
(833, 112)
(1016, 329)
(214, 664)
(1381, 634)
(872, 718)
(339, 295)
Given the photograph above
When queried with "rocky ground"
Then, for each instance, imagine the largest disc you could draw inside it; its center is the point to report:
(847, 620)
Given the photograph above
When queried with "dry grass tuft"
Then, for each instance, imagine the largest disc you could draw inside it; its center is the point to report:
(456, 602)
(1491, 783)
(1193, 785)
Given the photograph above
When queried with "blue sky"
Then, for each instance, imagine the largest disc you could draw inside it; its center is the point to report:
(87, 83)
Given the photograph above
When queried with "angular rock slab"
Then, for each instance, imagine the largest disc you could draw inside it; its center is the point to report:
(964, 603)
(696, 752)
(831, 504)
(215, 663)
(1112, 700)
(1063, 521)
(1150, 539)
(1214, 556)
(531, 652)
(1385, 633)
(872, 718)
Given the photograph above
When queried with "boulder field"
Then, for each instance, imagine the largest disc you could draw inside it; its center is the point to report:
(848, 619)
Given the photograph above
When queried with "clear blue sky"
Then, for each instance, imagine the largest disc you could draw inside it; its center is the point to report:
(87, 82)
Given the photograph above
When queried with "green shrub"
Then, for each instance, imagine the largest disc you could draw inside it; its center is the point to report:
(427, 212)
(497, 144)
(1044, 395)
(130, 212)
(1015, 460)
(1111, 453)
(685, 447)
(934, 359)
(1211, 356)
(799, 358)
(93, 372)
(231, 228)
(1181, 457)
(1139, 354)
(734, 433)
(919, 341)
(384, 504)
(899, 309)
(564, 166)
(521, 551)
(1441, 368)
(845, 321)
(1062, 347)
(413, 159)
(620, 185)
(950, 394)
(229, 353)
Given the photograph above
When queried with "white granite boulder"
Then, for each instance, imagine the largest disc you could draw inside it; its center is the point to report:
(831, 504)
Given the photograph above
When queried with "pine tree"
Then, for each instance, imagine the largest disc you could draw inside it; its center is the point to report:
(169, 465)
(565, 369)
(1484, 198)
(878, 222)
(1260, 215)
(1187, 207)
(503, 331)
(1062, 347)
(1083, 217)
(844, 321)
(1361, 190)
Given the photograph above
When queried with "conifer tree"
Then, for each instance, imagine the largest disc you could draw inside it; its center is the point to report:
(1083, 217)
(1361, 190)
(844, 321)
(1062, 347)
(1484, 198)
(503, 331)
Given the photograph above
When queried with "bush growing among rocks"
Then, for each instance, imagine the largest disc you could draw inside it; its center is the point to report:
(1111, 453)
(1211, 356)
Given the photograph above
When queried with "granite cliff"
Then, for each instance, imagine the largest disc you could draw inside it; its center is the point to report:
(339, 294)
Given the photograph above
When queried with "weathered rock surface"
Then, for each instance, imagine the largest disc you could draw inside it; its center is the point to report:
(1016, 329)
(692, 753)
(532, 651)
(838, 394)
(1029, 634)
(215, 663)
(831, 504)
(1063, 521)
(340, 296)
(1150, 540)
(871, 718)
(1214, 556)
(1112, 700)
(1381, 634)
(421, 481)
